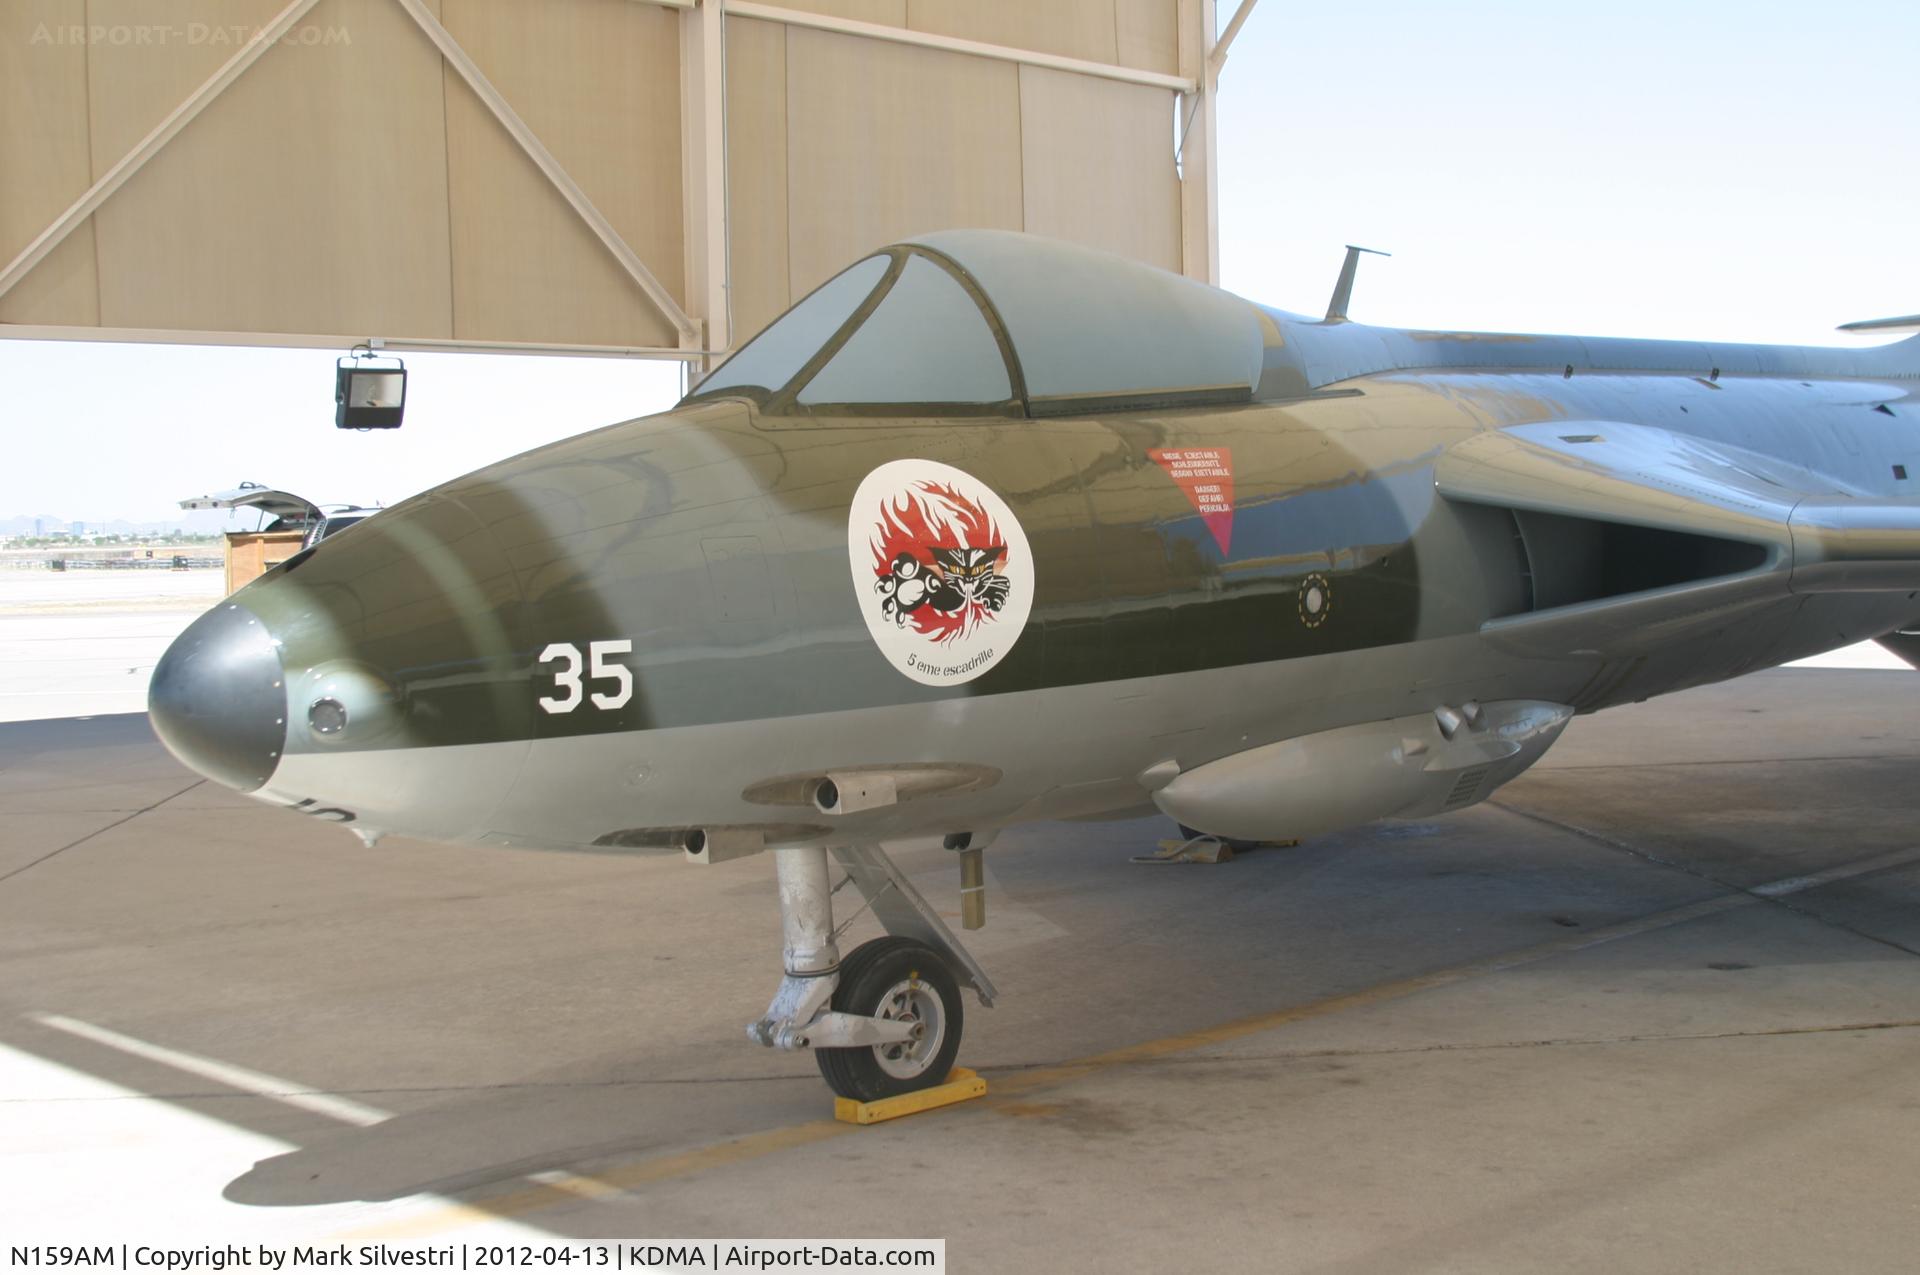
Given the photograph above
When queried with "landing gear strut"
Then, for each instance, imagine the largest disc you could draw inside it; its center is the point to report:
(887, 1019)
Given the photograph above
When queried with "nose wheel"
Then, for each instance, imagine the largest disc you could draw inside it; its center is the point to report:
(895, 980)
(886, 1019)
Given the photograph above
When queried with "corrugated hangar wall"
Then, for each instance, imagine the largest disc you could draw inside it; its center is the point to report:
(577, 174)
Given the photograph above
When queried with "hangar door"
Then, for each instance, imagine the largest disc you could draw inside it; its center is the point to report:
(654, 177)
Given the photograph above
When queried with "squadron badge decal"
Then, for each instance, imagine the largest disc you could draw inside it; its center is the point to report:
(941, 570)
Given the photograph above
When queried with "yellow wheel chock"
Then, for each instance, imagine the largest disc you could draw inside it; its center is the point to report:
(961, 1084)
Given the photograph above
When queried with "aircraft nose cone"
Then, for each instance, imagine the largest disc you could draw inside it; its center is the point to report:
(217, 699)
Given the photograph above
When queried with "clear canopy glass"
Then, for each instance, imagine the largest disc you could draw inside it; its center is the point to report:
(926, 343)
(771, 359)
(984, 320)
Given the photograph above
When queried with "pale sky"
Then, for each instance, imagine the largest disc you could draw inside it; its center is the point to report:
(1717, 170)
(1740, 171)
(96, 431)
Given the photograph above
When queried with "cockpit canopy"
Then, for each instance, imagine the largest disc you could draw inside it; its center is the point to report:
(990, 322)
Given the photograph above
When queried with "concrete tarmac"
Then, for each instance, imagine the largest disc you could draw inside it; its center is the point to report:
(77, 643)
(1655, 1007)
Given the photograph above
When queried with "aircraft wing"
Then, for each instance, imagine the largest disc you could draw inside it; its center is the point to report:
(1637, 536)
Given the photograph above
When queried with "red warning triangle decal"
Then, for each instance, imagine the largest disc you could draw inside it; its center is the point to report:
(1206, 475)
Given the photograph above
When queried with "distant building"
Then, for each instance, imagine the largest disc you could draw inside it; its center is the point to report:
(39, 526)
(79, 528)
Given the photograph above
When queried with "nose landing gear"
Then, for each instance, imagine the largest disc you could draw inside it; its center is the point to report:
(887, 1020)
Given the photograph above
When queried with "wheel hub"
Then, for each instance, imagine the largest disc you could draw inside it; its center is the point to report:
(910, 1000)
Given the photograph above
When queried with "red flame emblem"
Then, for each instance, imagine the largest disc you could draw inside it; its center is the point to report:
(938, 562)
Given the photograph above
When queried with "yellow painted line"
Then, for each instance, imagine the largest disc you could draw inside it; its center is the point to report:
(620, 1178)
(447, 1217)
(574, 1184)
(773, 1141)
(1253, 1024)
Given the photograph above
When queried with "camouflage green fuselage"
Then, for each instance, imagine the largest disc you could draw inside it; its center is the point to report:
(714, 539)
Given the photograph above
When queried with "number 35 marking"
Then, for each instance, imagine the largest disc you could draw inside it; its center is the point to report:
(567, 679)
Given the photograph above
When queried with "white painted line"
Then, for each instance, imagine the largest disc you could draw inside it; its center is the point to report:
(292, 1093)
(344, 1110)
(1788, 885)
(1814, 880)
(79, 1154)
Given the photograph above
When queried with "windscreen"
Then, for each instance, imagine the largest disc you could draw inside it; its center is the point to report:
(926, 343)
(771, 359)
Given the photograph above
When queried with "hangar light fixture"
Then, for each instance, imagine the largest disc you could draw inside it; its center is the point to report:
(367, 393)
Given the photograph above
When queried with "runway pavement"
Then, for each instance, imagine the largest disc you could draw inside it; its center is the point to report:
(80, 643)
(1656, 1007)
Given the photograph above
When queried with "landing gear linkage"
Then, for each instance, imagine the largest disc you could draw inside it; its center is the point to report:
(886, 1020)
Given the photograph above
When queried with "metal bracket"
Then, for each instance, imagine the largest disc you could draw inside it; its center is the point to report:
(901, 909)
(834, 1030)
(797, 1002)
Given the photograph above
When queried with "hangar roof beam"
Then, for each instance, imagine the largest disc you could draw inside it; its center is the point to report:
(954, 44)
(1218, 58)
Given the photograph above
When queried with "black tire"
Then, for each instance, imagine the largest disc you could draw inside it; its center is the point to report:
(873, 971)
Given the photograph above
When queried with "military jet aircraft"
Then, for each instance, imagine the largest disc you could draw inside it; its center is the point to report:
(990, 529)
